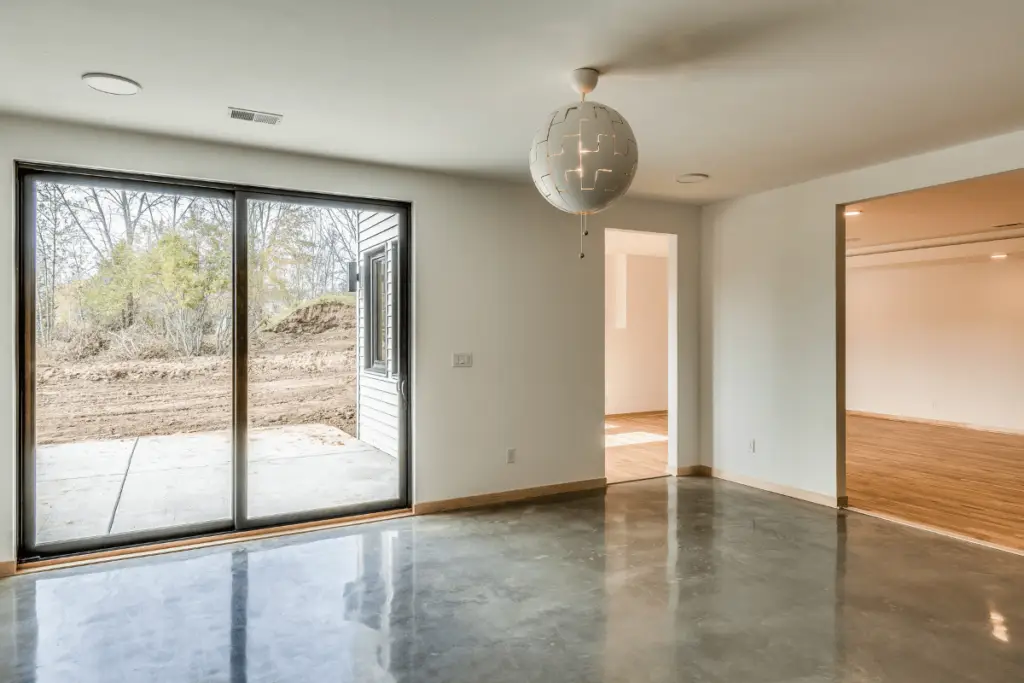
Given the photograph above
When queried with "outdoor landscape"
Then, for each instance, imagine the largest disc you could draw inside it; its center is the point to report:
(133, 313)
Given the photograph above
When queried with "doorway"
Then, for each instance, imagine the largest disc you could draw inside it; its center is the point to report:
(639, 297)
(198, 358)
(931, 362)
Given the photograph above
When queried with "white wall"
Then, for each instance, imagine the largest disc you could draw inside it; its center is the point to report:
(769, 324)
(635, 333)
(496, 272)
(940, 341)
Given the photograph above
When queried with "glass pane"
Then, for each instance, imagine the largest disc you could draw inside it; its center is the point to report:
(303, 350)
(133, 365)
(380, 321)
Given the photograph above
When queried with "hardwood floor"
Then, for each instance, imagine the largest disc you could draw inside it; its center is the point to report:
(962, 480)
(636, 447)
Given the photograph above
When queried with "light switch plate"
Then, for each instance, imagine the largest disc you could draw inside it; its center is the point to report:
(462, 360)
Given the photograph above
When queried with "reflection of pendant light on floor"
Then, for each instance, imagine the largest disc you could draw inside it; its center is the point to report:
(584, 156)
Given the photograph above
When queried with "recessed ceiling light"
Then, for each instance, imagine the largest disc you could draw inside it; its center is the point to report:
(111, 84)
(998, 257)
(853, 212)
(691, 178)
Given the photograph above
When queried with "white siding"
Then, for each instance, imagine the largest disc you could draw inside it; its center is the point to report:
(377, 421)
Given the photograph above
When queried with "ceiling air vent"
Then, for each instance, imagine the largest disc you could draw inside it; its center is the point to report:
(255, 116)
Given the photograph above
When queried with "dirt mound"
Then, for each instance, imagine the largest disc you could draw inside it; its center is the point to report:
(317, 318)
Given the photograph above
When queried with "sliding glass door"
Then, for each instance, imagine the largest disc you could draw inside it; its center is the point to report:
(303, 375)
(197, 358)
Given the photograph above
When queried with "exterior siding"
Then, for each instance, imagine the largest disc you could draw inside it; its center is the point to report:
(377, 420)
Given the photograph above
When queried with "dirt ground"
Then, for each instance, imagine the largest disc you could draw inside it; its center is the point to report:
(301, 371)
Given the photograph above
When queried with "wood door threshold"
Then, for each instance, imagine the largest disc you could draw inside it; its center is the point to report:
(937, 530)
(165, 547)
(644, 413)
(648, 477)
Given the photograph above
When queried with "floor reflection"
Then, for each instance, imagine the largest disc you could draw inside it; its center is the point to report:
(662, 580)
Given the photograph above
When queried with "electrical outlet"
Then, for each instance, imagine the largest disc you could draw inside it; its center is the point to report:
(510, 456)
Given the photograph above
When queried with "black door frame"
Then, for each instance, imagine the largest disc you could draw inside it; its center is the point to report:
(26, 173)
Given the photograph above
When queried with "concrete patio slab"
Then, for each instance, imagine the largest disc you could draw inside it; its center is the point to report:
(81, 507)
(82, 459)
(299, 440)
(158, 453)
(164, 498)
(186, 479)
(350, 477)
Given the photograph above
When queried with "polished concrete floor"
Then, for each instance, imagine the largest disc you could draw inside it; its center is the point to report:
(656, 581)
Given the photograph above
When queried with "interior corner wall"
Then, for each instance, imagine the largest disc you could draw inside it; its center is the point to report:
(938, 341)
(636, 333)
(495, 271)
(769, 320)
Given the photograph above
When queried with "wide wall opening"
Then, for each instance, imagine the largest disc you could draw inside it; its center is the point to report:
(195, 359)
(934, 357)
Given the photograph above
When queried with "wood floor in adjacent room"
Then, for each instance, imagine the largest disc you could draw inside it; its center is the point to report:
(967, 481)
(636, 447)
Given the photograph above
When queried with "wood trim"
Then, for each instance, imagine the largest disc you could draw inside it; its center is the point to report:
(843, 502)
(840, 367)
(516, 495)
(640, 414)
(8, 569)
(201, 542)
(937, 530)
(771, 487)
(693, 471)
(636, 479)
(934, 423)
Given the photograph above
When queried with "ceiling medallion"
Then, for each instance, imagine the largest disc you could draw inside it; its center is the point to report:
(584, 157)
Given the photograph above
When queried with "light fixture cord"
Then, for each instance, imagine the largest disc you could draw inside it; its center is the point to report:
(583, 231)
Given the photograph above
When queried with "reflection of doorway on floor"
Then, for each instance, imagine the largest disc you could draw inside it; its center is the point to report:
(636, 355)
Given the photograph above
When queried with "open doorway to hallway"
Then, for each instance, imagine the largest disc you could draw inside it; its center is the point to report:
(934, 357)
(638, 276)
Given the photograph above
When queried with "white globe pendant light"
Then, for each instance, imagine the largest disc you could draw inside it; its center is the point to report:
(584, 156)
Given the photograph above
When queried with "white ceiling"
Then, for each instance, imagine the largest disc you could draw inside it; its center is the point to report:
(758, 93)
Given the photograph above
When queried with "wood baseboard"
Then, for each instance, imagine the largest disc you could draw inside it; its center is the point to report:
(772, 487)
(8, 569)
(201, 542)
(693, 471)
(934, 423)
(435, 506)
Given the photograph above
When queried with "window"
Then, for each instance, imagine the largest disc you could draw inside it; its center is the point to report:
(377, 309)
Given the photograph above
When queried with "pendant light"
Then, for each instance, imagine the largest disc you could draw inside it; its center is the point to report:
(584, 156)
